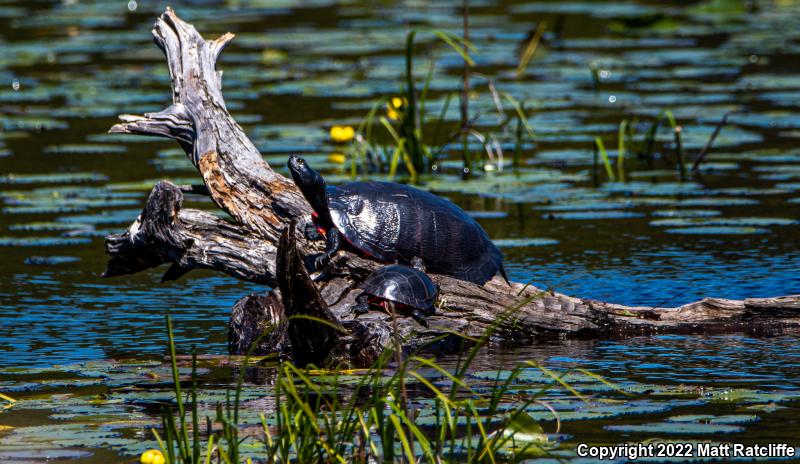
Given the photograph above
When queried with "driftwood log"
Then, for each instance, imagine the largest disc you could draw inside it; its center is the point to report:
(264, 205)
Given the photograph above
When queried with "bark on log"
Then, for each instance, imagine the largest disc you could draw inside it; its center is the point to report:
(264, 203)
(258, 319)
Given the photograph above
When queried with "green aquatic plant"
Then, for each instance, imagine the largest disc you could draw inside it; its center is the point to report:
(414, 141)
(335, 416)
(633, 142)
(405, 119)
(600, 147)
(177, 446)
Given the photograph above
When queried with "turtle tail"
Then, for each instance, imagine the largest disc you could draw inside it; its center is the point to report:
(503, 273)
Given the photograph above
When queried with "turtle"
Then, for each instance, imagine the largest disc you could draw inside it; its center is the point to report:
(402, 289)
(395, 223)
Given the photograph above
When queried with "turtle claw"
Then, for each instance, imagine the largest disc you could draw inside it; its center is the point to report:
(361, 307)
(321, 262)
(359, 310)
(321, 269)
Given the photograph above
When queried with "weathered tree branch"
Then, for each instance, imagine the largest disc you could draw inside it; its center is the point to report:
(187, 239)
(239, 179)
(264, 203)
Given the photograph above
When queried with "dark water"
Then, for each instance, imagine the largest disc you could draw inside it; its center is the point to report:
(731, 230)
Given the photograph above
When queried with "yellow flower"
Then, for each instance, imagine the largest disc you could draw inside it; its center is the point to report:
(337, 158)
(342, 134)
(393, 108)
(152, 457)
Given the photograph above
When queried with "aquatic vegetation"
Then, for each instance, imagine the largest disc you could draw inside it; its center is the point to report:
(41, 241)
(524, 242)
(51, 260)
(418, 141)
(88, 149)
(72, 177)
(313, 420)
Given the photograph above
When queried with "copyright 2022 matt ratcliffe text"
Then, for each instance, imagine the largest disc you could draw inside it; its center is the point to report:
(634, 451)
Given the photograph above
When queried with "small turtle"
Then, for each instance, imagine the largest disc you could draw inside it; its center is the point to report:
(409, 290)
(395, 223)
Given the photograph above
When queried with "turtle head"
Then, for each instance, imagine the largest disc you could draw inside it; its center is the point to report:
(310, 183)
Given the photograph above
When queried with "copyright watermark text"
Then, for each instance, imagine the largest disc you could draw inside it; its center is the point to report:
(634, 451)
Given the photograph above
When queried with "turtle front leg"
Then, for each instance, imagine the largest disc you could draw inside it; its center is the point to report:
(311, 232)
(332, 244)
(418, 316)
(361, 307)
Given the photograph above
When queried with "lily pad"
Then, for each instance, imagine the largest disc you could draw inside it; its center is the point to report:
(676, 428)
(88, 149)
(718, 221)
(717, 230)
(589, 215)
(51, 260)
(488, 214)
(41, 241)
(686, 213)
(74, 177)
(524, 242)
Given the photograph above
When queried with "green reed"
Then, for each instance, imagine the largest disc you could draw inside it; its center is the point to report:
(371, 421)
(633, 142)
(413, 141)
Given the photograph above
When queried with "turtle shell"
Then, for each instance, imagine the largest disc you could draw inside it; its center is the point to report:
(402, 284)
(395, 223)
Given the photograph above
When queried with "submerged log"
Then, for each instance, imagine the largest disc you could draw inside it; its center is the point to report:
(264, 204)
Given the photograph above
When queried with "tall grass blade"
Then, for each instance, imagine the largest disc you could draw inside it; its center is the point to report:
(182, 436)
(679, 151)
(459, 45)
(707, 147)
(623, 129)
(401, 435)
(595, 77)
(518, 108)
(530, 49)
(604, 155)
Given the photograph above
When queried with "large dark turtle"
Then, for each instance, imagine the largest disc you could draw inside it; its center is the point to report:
(396, 223)
(409, 291)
